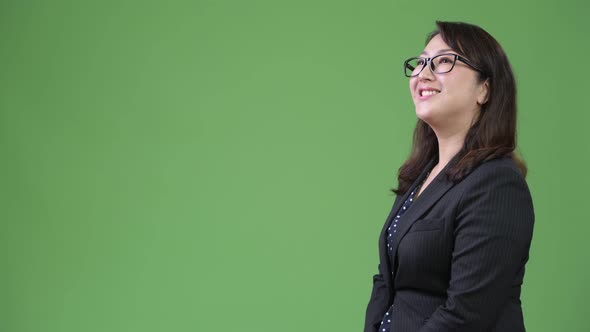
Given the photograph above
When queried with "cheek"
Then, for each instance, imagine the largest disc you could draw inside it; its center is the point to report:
(465, 89)
(461, 92)
(412, 84)
(470, 96)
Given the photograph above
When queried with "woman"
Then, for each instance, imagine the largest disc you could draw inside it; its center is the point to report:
(454, 247)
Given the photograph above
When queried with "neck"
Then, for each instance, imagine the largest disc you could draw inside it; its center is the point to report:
(449, 144)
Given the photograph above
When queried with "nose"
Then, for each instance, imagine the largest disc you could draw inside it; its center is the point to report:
(426, 73)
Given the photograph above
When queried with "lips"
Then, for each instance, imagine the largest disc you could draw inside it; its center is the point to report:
(426, 92)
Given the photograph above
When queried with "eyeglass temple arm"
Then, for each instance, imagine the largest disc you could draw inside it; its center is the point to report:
(469, 63)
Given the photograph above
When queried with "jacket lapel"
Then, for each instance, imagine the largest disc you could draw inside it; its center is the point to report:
(431, 194)
(383, 256)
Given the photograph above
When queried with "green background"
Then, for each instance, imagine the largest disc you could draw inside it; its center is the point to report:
(225, 166)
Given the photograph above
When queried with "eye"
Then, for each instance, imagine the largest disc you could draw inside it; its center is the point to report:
(445, 59)
(420, 62)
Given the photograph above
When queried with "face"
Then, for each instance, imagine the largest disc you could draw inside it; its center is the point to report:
(449, 101)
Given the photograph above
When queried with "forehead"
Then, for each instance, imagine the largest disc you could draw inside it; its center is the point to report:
(436, 46)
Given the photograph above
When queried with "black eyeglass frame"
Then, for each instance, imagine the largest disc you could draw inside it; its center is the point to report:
(429, 60)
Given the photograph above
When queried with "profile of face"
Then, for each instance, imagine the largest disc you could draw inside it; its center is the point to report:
(450, 101)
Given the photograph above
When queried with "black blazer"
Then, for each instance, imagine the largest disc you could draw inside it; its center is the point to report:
(460, 254)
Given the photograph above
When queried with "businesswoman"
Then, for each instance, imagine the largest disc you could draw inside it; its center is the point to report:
(452, 252)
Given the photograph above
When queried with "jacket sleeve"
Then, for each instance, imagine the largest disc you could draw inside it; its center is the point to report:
(493, 232)
(378, 303)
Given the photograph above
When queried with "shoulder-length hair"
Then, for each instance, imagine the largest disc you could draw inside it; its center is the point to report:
(493, 133)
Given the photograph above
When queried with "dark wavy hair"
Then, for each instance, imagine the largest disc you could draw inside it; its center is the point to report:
(493, 133)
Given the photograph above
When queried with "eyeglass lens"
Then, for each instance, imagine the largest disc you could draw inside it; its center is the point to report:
(441, 63)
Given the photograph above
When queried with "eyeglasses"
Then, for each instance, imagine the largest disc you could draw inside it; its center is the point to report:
(440, 64)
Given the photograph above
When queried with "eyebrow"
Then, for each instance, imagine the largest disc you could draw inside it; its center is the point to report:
(439, 51)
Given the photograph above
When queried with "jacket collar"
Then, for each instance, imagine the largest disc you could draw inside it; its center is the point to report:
(429, 196)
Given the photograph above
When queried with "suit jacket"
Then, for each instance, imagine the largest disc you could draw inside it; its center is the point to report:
(459, 254)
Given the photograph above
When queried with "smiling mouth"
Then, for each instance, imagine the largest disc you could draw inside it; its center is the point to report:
(424, 93)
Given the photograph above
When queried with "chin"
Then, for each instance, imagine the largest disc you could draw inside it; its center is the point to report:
(429, 117)
(425, 115)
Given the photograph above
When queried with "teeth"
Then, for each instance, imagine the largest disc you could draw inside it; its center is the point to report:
(429, 92)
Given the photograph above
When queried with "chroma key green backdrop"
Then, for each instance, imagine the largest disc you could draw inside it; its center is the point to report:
(225, 165)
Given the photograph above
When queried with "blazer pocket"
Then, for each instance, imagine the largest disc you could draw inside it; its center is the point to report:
(427, 224)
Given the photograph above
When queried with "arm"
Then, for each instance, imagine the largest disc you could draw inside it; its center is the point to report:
(493, 232)
(378, 304)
